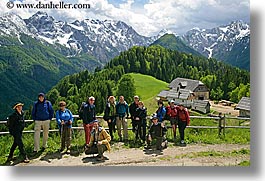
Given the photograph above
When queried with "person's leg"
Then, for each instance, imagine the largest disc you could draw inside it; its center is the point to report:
(173, 124)
(125, 128)
(133, 125)
(21, 146)
(143, 128)
(110, 125)
(90, 127)
(182, 125)
(159, 143)
(91, 150)
(137, 129)
(63, 135)
(101, 149)
(46, 127)
(86, 133)
(37, 128)
(113, 119)
(118, 123)
(12, 149)
(68, 138)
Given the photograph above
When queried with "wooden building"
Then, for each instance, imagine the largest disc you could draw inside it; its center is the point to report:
(202, 106)
(185, 91)
(244, 107)
(199, 90)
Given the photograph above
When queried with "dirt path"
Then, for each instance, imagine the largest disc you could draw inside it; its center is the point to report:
(229, 110)
(192, 155)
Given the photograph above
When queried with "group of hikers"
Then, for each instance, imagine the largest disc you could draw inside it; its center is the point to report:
(97, 139)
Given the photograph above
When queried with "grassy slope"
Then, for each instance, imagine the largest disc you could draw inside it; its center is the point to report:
(147, 88)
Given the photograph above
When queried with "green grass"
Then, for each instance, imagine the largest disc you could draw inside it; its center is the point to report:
(147, 88)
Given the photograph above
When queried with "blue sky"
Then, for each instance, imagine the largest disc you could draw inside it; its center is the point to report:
(148, 17)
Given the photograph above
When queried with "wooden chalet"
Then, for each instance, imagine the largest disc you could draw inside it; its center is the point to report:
(244, 107)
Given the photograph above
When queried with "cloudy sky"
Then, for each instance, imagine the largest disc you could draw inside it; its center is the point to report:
(148, 17)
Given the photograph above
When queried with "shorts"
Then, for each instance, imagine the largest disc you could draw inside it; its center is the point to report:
(173, 121)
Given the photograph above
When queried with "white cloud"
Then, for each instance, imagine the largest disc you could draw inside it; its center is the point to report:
(150, 18)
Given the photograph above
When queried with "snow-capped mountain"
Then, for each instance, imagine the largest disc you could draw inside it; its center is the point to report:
(102, 39)
(106, 39)
(221, 41)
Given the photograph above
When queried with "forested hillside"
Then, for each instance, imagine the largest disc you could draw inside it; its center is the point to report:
(27, 67)
(158, 62)
(167, 65)
(172, 42)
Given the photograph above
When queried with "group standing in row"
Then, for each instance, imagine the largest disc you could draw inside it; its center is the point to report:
(97, 139)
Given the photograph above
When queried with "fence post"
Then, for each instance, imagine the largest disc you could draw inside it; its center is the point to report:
(221, 125)
(224, 125)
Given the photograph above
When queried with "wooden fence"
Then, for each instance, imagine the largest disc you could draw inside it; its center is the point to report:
(221, 124)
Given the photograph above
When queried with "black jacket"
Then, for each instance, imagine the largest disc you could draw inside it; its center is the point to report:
(157, 130)
(87, 113)
(141, 113)
(16, 123)
(132, 109)
(107, 115)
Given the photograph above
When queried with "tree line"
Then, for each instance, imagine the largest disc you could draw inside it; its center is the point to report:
(224, 81)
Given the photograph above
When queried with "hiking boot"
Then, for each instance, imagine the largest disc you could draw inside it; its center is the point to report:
(68, 151)
(101, 158)
(26, 160)
(9, 159)
(147, 147)
(182, 143)
(120, 139)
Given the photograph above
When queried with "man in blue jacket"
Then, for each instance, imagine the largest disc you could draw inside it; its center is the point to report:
(42, 113)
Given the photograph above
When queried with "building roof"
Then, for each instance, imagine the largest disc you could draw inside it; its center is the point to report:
(188, 84)
(244, 104)
(173, 94)
(201, 103)
(184, 94)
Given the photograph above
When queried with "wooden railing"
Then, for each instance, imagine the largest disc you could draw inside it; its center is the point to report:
(221, 124)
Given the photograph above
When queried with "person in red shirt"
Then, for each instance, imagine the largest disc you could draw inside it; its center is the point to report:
(183, 121)
(172, 116)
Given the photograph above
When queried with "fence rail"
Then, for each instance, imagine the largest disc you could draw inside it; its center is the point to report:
(221, 124)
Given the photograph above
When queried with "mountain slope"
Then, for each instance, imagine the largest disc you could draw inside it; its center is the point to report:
(172, 42)
(147, 88)
(224, 43)
(31, 67)
(101, 39)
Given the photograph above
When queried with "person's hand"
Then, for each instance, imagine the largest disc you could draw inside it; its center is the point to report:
(137, 119)
(109, 120)
(149, 138)
(100, 143)
(162, 125)
(70, 122)
(62, 122)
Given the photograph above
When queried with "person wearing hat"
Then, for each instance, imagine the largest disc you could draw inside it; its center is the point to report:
(99, 141)
(172, 113)
(64, 118)
(132, 109)
(183, 121)
(157, 131)
(110, 115)
(88, 114)
(16, 124)
(42, 114)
